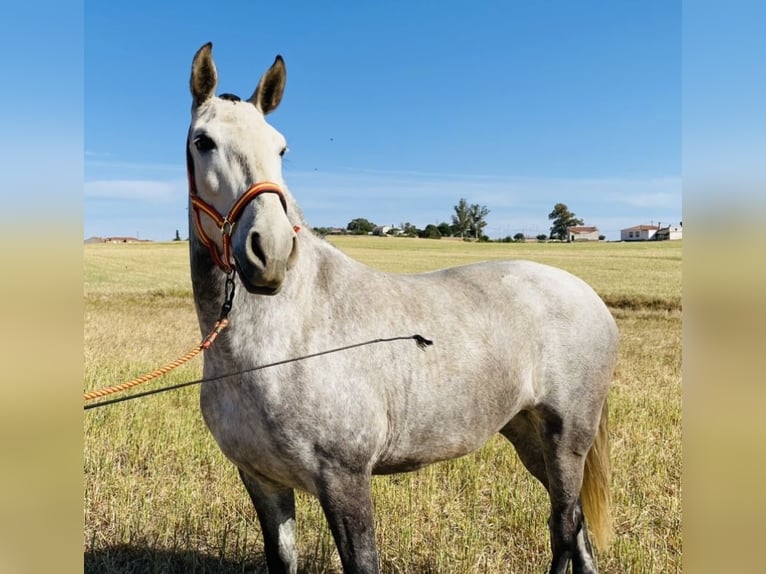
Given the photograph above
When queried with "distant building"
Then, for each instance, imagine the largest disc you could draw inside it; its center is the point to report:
(651, 232)
(582, 233)
(116, 240)
(670, 232)
(638, 233)
(121, 239)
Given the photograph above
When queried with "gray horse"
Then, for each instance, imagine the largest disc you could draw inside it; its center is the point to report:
(519, 348)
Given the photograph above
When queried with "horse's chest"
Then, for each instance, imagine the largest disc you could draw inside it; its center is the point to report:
(247, 433)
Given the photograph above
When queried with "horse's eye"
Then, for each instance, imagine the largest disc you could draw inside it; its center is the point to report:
(203, 143)
(283, 152)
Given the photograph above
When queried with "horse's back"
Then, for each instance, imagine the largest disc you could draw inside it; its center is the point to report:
(522, 288)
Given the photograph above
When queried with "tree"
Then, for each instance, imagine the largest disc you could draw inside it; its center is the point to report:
(469, 219)
(542, 237)
(409, 230)
(478, 223)
(360, 226)
(461, 220)
(519, 238)
(562, 218)
(444, 228)
(430, 232)
(177, 237)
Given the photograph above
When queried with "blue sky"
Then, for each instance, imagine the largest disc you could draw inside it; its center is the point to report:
(394, 111)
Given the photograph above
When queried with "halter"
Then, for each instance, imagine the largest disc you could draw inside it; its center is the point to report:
(225, 223)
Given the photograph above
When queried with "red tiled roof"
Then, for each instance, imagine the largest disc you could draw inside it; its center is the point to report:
(581, 229)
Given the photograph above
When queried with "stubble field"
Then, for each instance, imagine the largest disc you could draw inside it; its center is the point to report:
(160, 496)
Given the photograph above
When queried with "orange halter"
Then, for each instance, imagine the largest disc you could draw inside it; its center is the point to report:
(225, 223)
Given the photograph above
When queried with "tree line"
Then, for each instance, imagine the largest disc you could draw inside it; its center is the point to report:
(468, 221)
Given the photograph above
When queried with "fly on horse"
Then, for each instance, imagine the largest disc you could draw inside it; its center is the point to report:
(519, 348)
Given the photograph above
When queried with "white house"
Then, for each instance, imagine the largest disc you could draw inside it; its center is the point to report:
(582, 233)
(638, 233)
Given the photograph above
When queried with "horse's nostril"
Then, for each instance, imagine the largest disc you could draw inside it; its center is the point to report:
(255, 246)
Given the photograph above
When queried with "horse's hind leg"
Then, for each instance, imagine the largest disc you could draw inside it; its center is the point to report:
(523, 432)
(275, 508)
(548, 451)
(347, 504)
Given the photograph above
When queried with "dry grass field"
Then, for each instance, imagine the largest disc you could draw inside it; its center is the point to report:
(160, 496)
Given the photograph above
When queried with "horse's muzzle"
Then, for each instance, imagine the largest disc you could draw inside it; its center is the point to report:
(256, 284)
(262, 261)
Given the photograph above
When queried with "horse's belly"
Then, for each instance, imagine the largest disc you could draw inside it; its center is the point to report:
(416, 446)
(419, 458)
(449, 415)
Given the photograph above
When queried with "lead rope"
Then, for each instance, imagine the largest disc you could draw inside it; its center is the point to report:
(421, 342)
(219, 326)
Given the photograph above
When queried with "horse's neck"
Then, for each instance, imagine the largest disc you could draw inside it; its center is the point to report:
(318, 264)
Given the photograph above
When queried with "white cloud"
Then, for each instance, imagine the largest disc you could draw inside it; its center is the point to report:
(656, 200)
(136, 190)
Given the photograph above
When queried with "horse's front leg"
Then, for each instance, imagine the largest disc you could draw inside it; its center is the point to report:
(275, 508)
(347, 504)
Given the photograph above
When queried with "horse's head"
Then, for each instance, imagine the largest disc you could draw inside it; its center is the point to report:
(235, 168)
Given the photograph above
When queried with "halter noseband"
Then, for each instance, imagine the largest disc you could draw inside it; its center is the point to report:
(225, 223)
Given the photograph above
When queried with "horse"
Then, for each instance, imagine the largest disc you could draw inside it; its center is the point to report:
(519, 348)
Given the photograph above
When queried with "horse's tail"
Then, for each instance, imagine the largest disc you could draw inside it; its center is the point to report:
(596, 497)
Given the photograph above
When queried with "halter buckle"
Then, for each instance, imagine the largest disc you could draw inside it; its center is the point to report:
(227, 227)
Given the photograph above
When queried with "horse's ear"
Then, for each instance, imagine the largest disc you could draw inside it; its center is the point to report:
(204, 77)
(268, 94)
